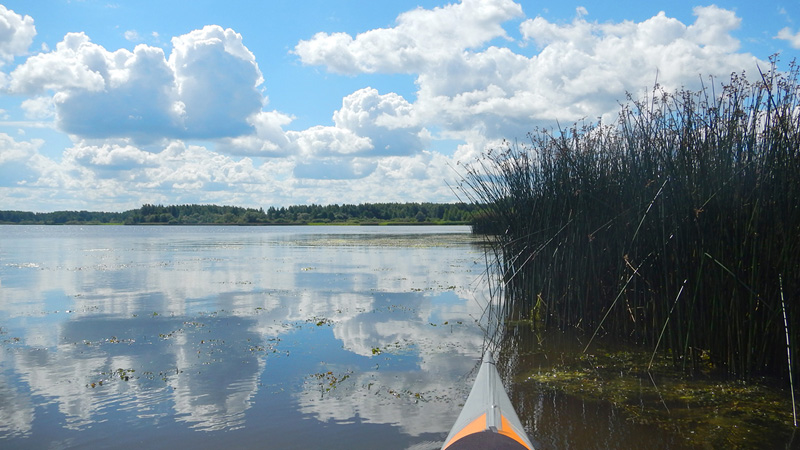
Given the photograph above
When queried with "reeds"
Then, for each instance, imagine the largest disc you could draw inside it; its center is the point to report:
(670, 228)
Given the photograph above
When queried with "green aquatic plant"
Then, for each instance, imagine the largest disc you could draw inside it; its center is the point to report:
(670, 228)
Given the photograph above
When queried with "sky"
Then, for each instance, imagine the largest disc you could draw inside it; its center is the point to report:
(109, 104)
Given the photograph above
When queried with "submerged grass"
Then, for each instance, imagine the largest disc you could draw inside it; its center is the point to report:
(669, 229)
(702, 410)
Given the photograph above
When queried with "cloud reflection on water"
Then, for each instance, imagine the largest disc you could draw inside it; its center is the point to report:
(200, 321)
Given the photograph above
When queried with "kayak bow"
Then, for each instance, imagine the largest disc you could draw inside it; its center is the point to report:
(488, 419)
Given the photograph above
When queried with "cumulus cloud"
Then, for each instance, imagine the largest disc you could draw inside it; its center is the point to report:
(321, 141)
(330, 153)
(139, 101)
(217, 101)
(369, 125)
(116, 175)
(268, 140)
(792, 38)
(13, 151)
(16, 34)
(591, 65)
(421, 36)
(18, 160)
(388, 120)
(582, 69)
(105, 175)
(76, 64)
(38, 107)
(141, 94)
(131, 113)
(110, 156)
(335, 168)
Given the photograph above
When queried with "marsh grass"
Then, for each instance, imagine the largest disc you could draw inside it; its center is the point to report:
(669, 229)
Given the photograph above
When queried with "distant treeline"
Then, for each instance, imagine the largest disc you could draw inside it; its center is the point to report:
(367, 213)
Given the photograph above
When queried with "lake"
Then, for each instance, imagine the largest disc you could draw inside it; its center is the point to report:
(255, 337)
(263, 337)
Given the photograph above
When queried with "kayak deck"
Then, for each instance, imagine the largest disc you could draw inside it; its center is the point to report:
(488, 419)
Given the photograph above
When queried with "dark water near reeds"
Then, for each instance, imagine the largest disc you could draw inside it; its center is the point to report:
(255, 337)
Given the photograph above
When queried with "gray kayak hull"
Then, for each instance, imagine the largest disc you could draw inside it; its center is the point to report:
(488, 419)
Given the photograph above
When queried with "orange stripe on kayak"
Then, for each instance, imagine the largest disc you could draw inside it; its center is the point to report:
(476, 426)
(479, 425)
(507, 430)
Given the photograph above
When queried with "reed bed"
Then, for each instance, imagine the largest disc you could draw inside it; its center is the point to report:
(678, 227)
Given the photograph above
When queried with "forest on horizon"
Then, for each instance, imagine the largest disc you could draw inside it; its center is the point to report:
(365, 213)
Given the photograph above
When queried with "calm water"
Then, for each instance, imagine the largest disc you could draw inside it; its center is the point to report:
(264, 337)
(253, 337)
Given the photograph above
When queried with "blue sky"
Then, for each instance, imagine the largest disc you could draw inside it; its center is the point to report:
(106, 105)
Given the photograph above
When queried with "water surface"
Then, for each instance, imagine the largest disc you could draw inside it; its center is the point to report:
(256, 337)
(268, 337)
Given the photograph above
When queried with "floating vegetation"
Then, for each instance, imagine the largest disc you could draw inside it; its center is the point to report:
(170, 334)
(116, 340)
(164, 375)
(271, 346)
(319, 321)
(396, 347)
(705, 410)
(119, 374)
(123, 374)
(407, 393)
(330, 380)
(425, 240)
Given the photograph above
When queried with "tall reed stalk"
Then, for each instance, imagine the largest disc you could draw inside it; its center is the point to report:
(670, 228)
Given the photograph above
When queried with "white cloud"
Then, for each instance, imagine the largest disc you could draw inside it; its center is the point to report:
(420, 37)
(713, 27)
(110, 156)
(787, 35)
(335, 168)
(104, 174)
(388, 120)
(139, 100)
(16, 34)
(320, 141)
(417, 167)
(13, 151)
(582, 69)
(131, 114)
(269, 138)
(75, 64)
(118, 174)
(143, 95)
(19, 162)
(132, 35)
(39, 108)
(368, 126)
(217, 101)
